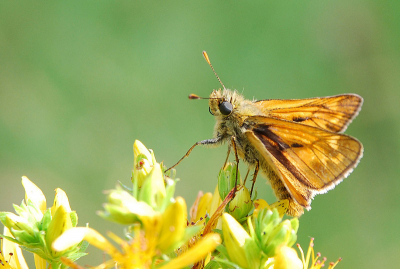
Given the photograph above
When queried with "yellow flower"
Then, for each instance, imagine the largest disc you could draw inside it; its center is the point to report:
(215, 203)
(316, 263)
(207, 244)
(213, 207)
(11, 256)
(137, 253)
(36, 227)
(199, 211)
(200, 208)
(281, 206)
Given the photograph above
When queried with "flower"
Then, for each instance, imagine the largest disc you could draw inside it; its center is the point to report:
(158, 234)
(201, 208)
(35, 227)
(11, 256)
(316, 263)
(157, 223)
(281, 206)
(138, 252)
(197, 252)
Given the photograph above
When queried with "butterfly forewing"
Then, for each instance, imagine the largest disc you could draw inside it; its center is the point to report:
(297, 190)
(332, 113)
(313, 157)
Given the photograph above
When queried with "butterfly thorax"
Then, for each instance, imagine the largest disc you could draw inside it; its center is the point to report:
(233, 124)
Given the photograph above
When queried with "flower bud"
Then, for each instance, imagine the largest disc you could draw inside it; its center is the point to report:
(272, 231)
(19, 227)
(123, 208)
(118, 214)
(60, 223)
(241, 248)
(142, 164)
(153, 189)
(120, 197)
(241, 204)
(227, 179)
(173, 225)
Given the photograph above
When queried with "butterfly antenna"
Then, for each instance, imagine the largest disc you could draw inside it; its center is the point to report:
(195, 96)
(209, 63)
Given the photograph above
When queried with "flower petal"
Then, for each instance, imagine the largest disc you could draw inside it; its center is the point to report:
(61, 198)
(195, 253)
(33, 193)
(74, 236)
(286, 258)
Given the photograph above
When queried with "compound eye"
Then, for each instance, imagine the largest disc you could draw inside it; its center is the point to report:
(225, 108)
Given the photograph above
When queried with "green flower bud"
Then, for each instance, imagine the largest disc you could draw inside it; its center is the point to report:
(227, 179)
(124, 208)
(120, 197)
(272, 232)
(22, 230)
(118, 214)
(241, 204)
(153, 189)
(142, 164)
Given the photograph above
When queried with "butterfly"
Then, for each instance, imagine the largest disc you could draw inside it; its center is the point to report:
(297, 144)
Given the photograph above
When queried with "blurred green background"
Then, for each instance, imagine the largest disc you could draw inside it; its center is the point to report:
(80, 81)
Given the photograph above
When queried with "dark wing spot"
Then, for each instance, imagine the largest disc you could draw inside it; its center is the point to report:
(276, 147)
(299, 119)
(296, 145)
(277, 141)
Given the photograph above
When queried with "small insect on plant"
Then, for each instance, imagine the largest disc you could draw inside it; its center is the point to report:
(298, 144)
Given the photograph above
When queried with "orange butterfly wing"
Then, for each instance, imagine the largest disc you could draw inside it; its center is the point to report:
(332, 113)
(305, 157)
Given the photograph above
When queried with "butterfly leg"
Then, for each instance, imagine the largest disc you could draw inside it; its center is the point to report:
(211, 141)
(254, 177)
(247, 174)
(233, 141)
(227, 157)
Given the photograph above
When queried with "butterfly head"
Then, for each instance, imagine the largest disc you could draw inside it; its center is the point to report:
(224, 102)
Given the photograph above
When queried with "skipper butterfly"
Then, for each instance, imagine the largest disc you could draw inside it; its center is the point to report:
(297, 144)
